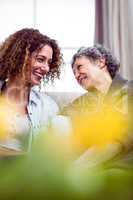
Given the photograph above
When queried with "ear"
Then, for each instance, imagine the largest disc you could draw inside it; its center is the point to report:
(102, 63)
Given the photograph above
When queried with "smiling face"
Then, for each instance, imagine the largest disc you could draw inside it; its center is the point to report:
(40, 64)
(88, 73)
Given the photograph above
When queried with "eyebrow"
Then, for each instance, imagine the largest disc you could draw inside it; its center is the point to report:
(78, 66)
(43, 56)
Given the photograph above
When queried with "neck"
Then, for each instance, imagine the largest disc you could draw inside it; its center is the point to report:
(103, 88)
(103, 84)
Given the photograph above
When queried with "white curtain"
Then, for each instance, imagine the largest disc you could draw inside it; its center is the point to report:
(114, 24)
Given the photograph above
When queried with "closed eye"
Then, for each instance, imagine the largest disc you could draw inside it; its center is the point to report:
(40, 60)
(79, 67)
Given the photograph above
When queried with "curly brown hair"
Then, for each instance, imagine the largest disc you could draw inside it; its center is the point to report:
(16, 50)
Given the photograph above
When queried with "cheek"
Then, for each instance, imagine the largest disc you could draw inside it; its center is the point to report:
(93, 72)
(33, 63)
(84, 71)
(33, 66)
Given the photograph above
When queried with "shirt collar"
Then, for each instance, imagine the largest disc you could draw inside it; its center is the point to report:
(34, 96)
(117, 83)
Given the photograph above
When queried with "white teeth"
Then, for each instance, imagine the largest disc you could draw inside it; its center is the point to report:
(38, 74)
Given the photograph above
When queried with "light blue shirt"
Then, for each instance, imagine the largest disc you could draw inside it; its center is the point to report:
(41, 109)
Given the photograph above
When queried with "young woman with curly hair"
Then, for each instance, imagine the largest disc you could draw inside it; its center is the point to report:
(26, 58)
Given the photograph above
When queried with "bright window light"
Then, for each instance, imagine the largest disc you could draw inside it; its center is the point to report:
(70, 22)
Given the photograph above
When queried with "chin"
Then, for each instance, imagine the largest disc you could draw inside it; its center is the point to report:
(35, 83)
(88, 87)
(85, 87)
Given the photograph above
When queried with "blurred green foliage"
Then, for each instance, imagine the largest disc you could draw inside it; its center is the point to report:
(47, 173)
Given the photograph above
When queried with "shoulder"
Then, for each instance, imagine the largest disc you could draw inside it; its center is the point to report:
(76, 106)
(130, 84)
(1, 84)
(130, 92)
(118, 82)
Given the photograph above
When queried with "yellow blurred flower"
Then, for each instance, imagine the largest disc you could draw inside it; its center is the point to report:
(101, 128)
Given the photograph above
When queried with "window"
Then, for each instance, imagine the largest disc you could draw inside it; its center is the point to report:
(70, 22)
(14, 15)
